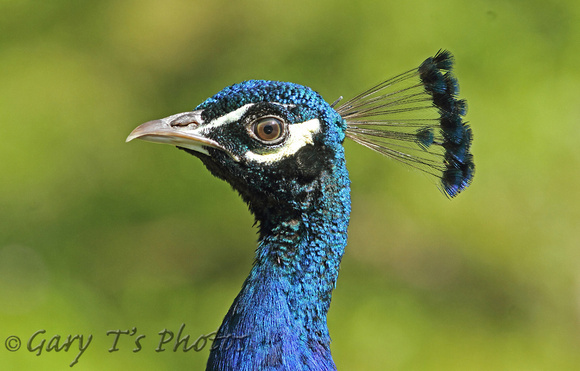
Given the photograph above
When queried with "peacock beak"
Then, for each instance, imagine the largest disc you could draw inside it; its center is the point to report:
(181, 130)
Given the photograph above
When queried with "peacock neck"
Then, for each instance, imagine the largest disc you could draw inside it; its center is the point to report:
(278, 320)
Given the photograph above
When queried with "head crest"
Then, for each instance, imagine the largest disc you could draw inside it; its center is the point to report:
(416, 118)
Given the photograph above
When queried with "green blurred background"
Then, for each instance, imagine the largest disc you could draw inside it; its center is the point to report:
(99, 235)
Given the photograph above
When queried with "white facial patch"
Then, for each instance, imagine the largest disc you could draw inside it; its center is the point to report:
(226, 119)
(299, 135)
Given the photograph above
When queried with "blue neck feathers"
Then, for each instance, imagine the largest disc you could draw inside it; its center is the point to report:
(278, 320)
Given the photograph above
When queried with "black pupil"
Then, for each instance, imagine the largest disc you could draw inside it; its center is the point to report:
(268, 129)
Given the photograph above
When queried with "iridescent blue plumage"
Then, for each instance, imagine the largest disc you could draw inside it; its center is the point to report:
(457, 135)
(280, 146)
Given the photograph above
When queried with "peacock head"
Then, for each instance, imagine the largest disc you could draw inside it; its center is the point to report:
(272, 141)
(275, 142)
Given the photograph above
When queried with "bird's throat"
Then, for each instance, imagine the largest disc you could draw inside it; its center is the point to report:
(280, 313)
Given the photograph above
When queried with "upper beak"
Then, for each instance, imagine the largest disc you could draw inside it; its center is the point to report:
(180, 130)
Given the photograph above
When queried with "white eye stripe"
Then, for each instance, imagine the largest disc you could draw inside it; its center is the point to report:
(226, 119)
(299, 135)
(233, 116)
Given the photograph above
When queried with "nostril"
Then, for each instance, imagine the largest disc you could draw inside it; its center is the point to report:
(184, 122)
(191, 120)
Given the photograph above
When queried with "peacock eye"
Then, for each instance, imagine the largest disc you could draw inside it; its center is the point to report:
(269, 130)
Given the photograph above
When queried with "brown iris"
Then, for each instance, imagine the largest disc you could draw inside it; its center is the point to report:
(270, 130)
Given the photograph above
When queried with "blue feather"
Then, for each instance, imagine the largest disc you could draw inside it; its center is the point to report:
(417, 119)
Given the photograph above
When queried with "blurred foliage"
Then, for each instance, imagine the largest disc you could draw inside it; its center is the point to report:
(98, 235)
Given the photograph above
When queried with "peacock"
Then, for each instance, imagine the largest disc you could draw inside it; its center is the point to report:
(280, 146)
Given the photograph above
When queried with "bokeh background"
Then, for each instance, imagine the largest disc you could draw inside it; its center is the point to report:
(99, 235)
